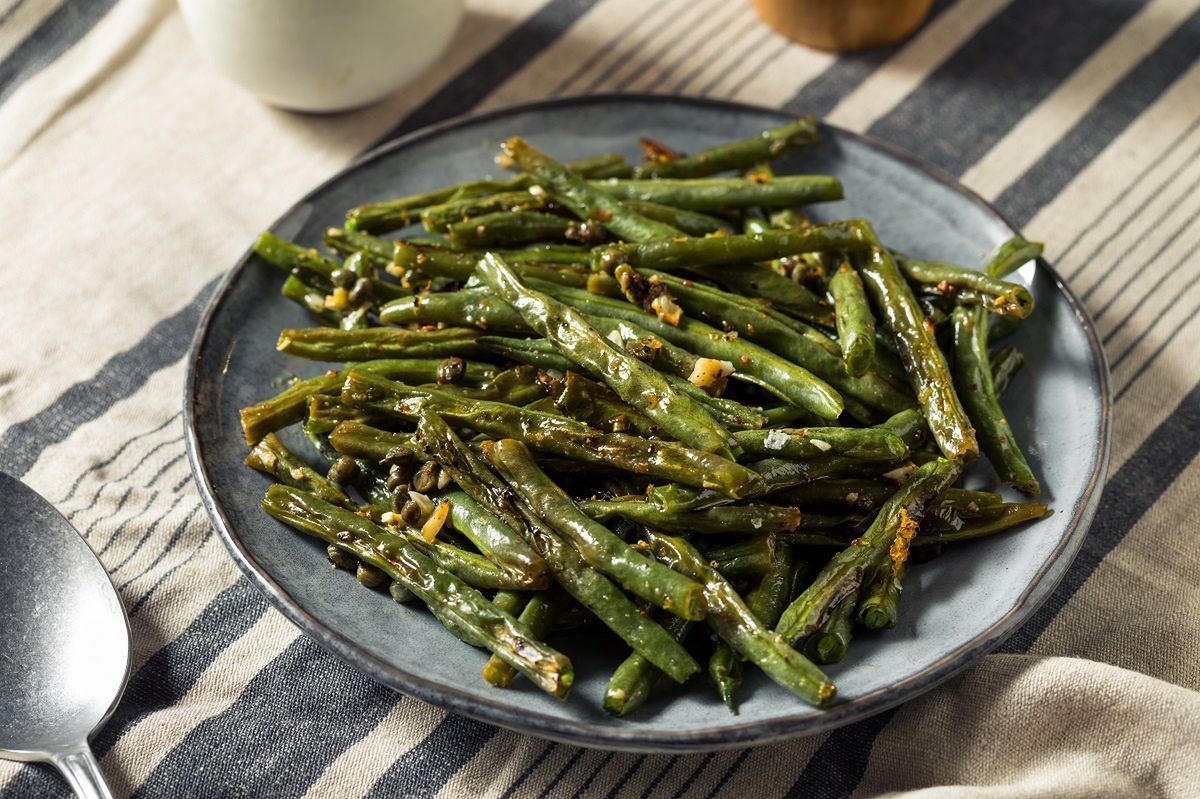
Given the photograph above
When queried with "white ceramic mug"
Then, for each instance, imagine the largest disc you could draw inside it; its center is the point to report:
(322, 55)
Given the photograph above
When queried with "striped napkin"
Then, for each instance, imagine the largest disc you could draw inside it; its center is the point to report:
(132, 176)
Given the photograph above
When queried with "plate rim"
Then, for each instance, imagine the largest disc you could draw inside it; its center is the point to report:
(582, 733)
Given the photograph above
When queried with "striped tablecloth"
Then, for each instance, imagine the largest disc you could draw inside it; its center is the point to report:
(132, 176)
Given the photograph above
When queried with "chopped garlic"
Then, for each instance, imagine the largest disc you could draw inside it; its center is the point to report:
(824, 446)
(776, 440)
(900, 473)
(709, 371)
(434, 523)
(665, 308)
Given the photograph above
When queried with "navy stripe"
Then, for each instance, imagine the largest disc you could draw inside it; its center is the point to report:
(1136, 244)
(124, 525)
(113, 482)
(1121, 195)
(557, 778)
(1146, 269)
(768, 57)
(150, 528)
(698, 32)
(53, 36)
(91, 528)
(120, 377)
(652, 785)
(95, 467)
(506, 58)
(534, 762)
(624, 778)
(683, 786)
(1177, 294)
(166, 549)
(1129, 494)
(137, 606)
(424, 769)
(163, 679)
(635, 48)
(838, 765)
(739, 35)
(729, 772)
(587, 782)
(953, 117)
(289, 723)
(1132, 95)
(1146, 264)
(819, 96)
(11, 10)
(1154, 355)
(638, 22)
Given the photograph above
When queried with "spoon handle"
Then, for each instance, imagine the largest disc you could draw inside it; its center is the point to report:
(83, 773)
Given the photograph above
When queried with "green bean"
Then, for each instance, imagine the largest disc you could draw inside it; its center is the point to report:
(286, 407)
(270, 456)
(533, 351)
(633, 381)
(806, 348)
(766, 601)
(973, 378)
(1006, 362)
(688, 253)
(475, 570)
(467, 308)
(584, 200)
(893, 527)
(557, 434)
(370, 443)
(592, 589)
(290, 258)
(692, 223)
(880, 605)
(860, 443)
(456, 602)
(601, 549)
(792, 382)
(1010, 255)
(389, 215)
(739, 155)
(968, 286)
(309, 298)
(830, 642)
(744, 560)
(330, 344)
(736, 624)
(924, 362)
(989, 521)
(495, 539)
(436, 218)
(539, 615)
(721, 194)
(855, 324)
(752, 518)
(763, 282)
(631, 683)
(507, 228)
(593, 404)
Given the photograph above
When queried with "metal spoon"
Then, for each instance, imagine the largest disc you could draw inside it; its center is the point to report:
(64, 640)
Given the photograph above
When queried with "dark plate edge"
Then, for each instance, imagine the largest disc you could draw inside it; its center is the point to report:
(709, 739)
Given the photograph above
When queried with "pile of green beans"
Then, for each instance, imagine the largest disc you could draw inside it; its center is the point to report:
(654, 398)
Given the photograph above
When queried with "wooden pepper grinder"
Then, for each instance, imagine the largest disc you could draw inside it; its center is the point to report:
(843, 25)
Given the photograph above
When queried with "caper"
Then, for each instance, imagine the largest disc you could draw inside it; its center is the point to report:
(369, 576)
(451, 370)
(343, 470)
(342, 278)
(361, 292)
(400, 593)
(340, 558)
(426, 478)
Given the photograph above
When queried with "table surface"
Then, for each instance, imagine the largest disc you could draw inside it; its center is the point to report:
(132, 176)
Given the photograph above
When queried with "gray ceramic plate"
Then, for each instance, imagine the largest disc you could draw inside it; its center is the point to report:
(956, 608)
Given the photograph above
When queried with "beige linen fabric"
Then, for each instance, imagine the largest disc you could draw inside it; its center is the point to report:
(131, 176)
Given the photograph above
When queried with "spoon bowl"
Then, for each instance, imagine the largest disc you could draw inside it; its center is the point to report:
(64, 640)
